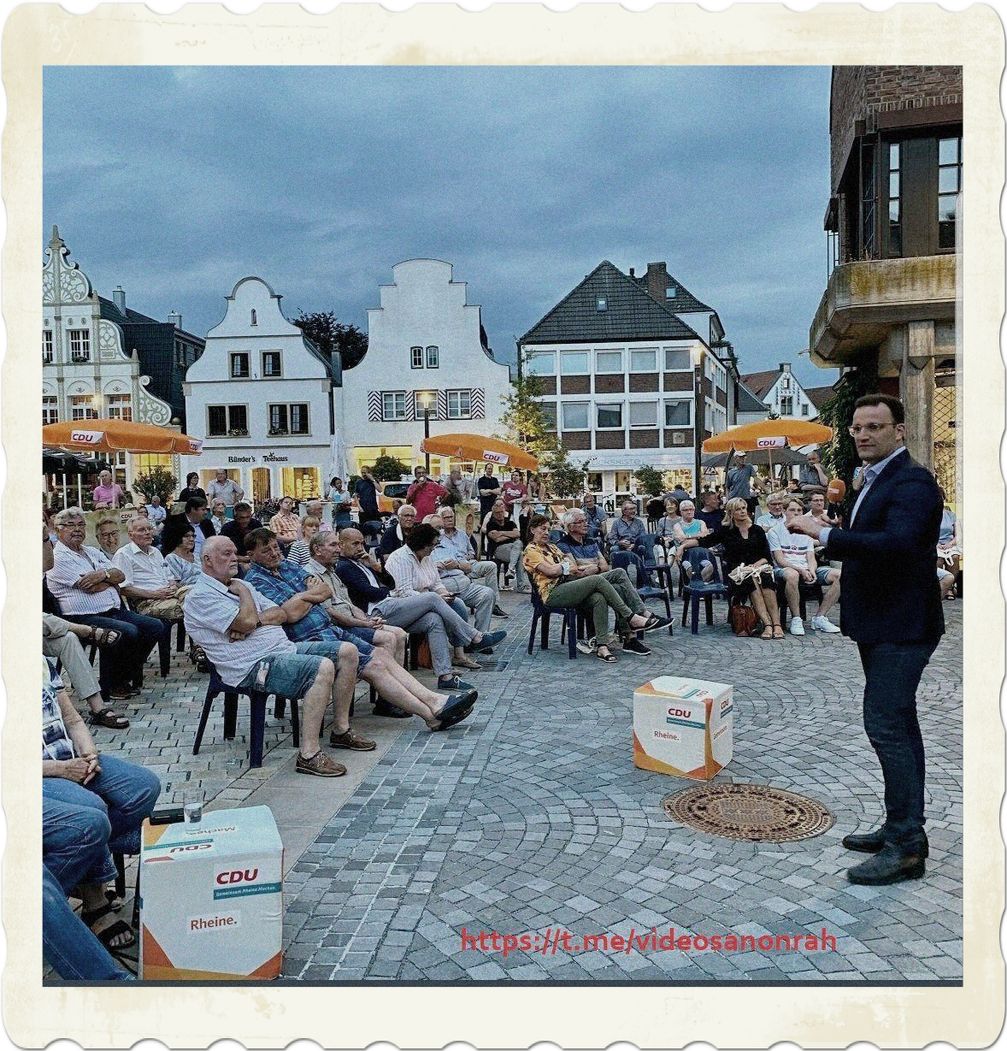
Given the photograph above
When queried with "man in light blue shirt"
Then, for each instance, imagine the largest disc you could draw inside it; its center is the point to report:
(475, 583)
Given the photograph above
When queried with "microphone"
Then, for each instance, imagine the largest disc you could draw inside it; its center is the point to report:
(836, 491)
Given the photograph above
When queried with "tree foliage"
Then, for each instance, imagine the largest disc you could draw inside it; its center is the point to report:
(388, 469)
(158, 481)
(525, 422)
(328, 333)
(649, 480)
(564, 477)
(839, 457)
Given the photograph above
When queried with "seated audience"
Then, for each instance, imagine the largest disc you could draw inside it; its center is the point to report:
(667, 522)
(84, 583)
(236, 530)
(710, 512)
(285, 524)
(300, 552)
(194, 516)
(156, 513)
(561, 583)
(462, 575)
(88, 800)
(64, 642)
(107, 494)
(218, 516)
(180, 560)
(596, 515)
(315, 509)
(107, 531)
(424, 494)
(303, 599)
(748, 558)
(395, 535)
(691, 527)
(949, 550)
(628, 534)
(147, 582)
(828, 515)
(776, 504)
(794, 555)
(241, 632)
(503, 544)
(811, 477)
(420, 613)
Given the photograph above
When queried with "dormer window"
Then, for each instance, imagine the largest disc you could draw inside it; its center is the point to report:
(670, 292)
(255, 320)
(601, 304)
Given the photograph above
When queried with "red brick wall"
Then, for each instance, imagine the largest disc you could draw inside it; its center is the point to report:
(859, 92)
(609, 384)
(575, 385)
(577, 439)
(644, 439)
(645, 381)
(678, 381)
(610, 439)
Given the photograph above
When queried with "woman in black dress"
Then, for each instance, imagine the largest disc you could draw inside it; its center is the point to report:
(745, 544)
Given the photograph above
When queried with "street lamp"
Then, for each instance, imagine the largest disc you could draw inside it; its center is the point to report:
(426, 403)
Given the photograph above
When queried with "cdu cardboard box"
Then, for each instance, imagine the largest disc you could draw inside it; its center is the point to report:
(683, 727)
(211, 905)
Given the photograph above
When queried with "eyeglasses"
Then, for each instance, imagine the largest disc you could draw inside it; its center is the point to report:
(870, 428)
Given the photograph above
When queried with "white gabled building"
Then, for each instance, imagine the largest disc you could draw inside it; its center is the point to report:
(87, 372)
(781, 393)
(426, 344)
(261, 398)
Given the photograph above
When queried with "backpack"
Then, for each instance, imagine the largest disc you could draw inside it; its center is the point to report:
(743, 620)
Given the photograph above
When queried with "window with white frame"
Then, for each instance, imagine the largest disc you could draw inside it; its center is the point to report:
(271, 364)
(288, 418)
(120, 407)
(643, 360)
(643, 414)
(540, 363)
(787, 405)
(678, 412)
(804, 409)
(416, 357)
(677, 360)
(50, 409)
(80, 344)
(47, 346)
(574, 363)
(575, 416)
(222, 420)
(82, 407)
(607, 362)
(433, 358)
(239, 367)
(609, 415)
(393, 405)
(549, 414)
(459, 404)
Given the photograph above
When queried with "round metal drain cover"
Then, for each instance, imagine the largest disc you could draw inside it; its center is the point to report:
(756, 813)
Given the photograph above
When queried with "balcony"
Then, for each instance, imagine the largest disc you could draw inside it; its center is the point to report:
(865, 300)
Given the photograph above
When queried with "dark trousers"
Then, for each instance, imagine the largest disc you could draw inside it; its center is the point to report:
(123, 663)
(893, 671)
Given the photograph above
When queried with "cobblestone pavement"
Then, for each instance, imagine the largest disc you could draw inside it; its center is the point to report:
(530, 816)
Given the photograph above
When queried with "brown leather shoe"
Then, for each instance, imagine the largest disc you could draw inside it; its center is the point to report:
(320, 765)
(352, 741)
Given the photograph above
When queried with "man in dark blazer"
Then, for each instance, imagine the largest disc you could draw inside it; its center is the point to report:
(891, 607)
(195, 515)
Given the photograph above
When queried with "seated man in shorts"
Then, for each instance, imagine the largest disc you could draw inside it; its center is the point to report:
(794, 555)
(241, 633)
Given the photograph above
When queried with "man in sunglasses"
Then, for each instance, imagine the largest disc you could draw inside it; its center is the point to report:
(892, 609)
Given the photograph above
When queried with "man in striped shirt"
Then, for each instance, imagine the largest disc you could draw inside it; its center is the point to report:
(85, 584)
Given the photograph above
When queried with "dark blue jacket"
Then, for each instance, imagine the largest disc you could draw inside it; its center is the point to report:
(363, 593)
(889, 555)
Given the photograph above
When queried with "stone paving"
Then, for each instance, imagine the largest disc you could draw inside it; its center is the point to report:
(530, 817)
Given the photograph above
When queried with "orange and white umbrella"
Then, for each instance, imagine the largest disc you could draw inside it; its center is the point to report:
(112, 436)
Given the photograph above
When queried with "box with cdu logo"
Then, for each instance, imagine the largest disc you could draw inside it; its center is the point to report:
(211, 904)
(683, 727)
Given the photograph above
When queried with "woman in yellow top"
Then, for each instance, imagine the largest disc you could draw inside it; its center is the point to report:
(562, 583)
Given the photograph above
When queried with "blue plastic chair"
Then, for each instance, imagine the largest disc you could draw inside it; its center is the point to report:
(542, 612)
(697, 589)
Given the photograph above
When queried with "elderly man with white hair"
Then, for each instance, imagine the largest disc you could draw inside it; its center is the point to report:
(85, 585)
(395, 535)
(474, 583)
(148, 583)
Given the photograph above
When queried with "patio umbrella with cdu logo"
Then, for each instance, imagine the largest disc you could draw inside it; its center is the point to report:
(115, 436)
(767, 435)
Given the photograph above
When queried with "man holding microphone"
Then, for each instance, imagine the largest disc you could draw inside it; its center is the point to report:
(892, 609)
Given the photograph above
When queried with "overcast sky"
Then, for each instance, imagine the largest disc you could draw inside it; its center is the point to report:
(175, 183)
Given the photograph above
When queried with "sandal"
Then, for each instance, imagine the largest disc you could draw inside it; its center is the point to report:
(103, 636)
(108, 718)
(767, 633)
(107, 935)
(608, 658)
(777, 632)
(115, 903)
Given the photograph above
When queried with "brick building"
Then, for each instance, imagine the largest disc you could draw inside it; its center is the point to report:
(896, 166)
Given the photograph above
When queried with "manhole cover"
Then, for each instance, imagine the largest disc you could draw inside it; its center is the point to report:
(756, 813)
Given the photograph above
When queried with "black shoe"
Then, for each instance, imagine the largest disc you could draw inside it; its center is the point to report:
(454, 684)
(873, 842)
(388, 711)
(487, 652)
(490, 638)
(498, 612)
(457, 709)
(634, 645)
(654, 622)
(891, 865)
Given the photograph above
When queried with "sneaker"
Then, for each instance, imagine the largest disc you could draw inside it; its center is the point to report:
(351, 741)
(587, 647)
(824, 624)
(490, 638)
(498, 612)
(634, 645)
(796, 626)
(320, 765)
(454, 684)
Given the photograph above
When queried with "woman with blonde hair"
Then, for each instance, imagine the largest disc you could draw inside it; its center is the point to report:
(748, 562)
(300, 553)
